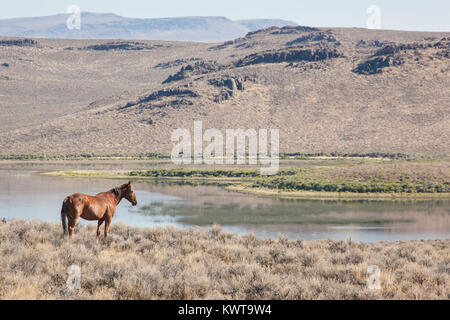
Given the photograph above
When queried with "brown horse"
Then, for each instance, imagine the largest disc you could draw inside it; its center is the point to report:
(100, 207)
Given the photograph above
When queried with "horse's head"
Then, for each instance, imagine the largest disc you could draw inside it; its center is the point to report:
(128, 193)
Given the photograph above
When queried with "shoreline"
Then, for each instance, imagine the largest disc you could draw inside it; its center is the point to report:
(350, 196)
(239, 185)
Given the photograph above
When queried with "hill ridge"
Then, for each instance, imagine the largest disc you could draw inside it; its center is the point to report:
(337, 100)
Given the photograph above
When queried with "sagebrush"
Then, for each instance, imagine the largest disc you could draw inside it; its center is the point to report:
(169, 263)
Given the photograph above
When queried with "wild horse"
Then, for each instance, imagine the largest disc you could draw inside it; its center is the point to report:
(101, 207)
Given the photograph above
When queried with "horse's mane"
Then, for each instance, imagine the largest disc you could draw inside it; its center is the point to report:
(116, 190)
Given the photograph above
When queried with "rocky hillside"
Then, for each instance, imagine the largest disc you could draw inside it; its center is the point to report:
(327, 90)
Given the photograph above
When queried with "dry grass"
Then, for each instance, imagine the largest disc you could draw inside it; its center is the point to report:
(366, 177)
(395, 171)
(167, 263)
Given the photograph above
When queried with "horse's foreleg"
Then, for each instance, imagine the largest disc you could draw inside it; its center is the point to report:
(71, 228)
(100, 222)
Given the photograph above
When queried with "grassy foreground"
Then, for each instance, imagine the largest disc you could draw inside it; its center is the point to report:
(168, 263)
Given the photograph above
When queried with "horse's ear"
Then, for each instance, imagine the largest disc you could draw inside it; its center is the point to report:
(129, 183)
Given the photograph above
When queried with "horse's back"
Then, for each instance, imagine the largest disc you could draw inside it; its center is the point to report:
(76, 198)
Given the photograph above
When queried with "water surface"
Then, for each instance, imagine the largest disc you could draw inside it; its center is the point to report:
(25, 194)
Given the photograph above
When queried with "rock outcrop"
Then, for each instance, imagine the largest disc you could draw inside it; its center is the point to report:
(315, 37)
(198, 68)
(390, 49)
(179, 96)
(289, 55)
(395, 55)
(283, 30)
(229, 87)
(120, 45)
(376, 65)
(175, 63)
(249, 40)
(294, 29)
(227, 44)
(18, 43)
(371, 44)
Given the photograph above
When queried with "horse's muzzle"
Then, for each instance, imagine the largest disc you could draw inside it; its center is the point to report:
(134, 203)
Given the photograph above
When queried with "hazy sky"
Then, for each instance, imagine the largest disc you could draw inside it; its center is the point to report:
(432, 15)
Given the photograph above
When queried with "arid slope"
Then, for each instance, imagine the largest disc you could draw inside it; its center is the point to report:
(327, 90)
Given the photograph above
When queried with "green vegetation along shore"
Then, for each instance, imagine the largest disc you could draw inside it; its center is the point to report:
(312, 178)
(153, 156)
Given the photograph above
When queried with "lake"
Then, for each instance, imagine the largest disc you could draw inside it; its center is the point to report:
(26, 194)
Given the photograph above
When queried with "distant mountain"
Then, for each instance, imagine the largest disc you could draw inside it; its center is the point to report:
(112, 26)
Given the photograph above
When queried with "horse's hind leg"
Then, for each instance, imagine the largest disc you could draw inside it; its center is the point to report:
(107, 224)
(99, 224)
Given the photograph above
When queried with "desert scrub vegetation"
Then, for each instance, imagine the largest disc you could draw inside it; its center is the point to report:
(332, 176)
(169, 263)
(83, 156)
(299, 155)
(381, 177)
(204, 173)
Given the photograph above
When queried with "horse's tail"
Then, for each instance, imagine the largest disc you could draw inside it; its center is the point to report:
(64, 215)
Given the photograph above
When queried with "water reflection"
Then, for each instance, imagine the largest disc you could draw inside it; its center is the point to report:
(24, 194)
